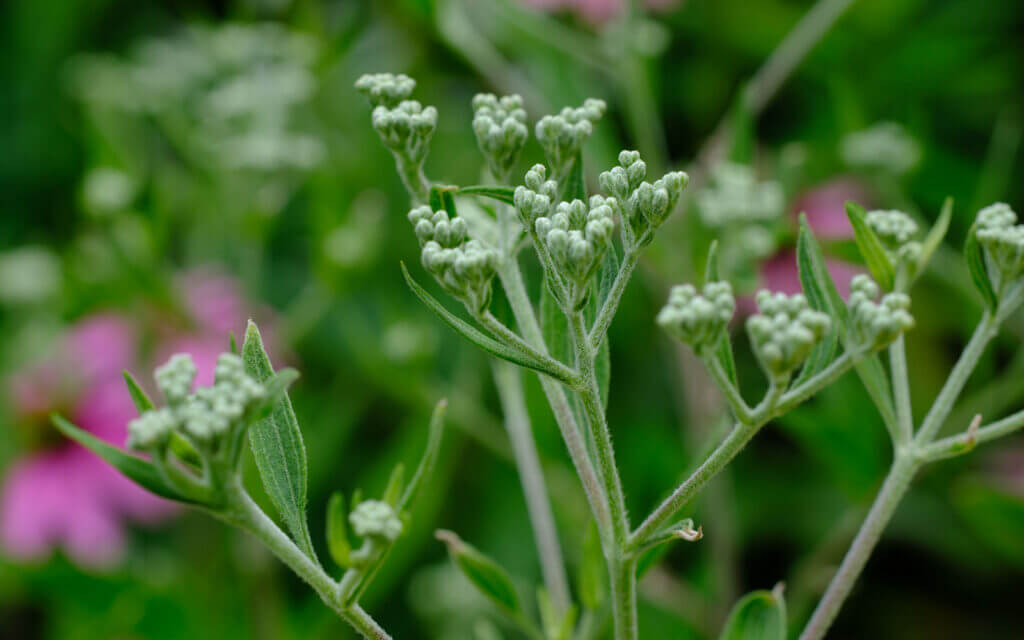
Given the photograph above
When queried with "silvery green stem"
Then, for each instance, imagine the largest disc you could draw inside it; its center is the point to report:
(517, 422)
(245, 514)
(901, 390)
(983, 334)
(888, 498)
(415, 181)
(960, 444)
(510, 338)
(611, 304)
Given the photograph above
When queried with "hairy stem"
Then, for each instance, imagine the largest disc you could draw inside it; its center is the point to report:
(888, 498)
(245, 514)
(901, 390)
(517, 422)
(958, 445)
(611, 304)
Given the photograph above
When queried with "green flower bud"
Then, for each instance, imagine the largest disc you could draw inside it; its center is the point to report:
(875, 325)
(151, 430)
(1002, 239)
(175, 378)
(784, 332)
(577, 238)
(500, 128)
(698, 319)
(654, 202)
(465, 270)
(375, 519)
(407, 128)
(385, 89)
(535, 199)
(894, 228)
(622, 180)
(563, 135)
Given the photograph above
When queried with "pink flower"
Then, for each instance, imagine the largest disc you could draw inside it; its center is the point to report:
(595, 11)
(67, 496)
(825, 206)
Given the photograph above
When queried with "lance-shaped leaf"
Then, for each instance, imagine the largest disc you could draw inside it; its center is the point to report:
(430, 452)
(139, 396)
(501, 194)
(140, 471)
(723, 350)
(935, 236)
(760, 615)
(338, 544)
(870, 247)
(277, 445)
(485, 574)
(488, 344)
(818, 300)
(978, 269)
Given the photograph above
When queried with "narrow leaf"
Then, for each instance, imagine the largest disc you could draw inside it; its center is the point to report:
(760, 615)
(232, 342)
(935, 235)
(486, 343)
(434, 199)
(607, 275)
(485, 574)
(277, 445)
(870, 247)
(338, 544)
(554, 326)
(978, 269)
(393, 491)
(276, 387)
(712, 273)
(818, 299)
(140, 471)
(429, 457)
(448, 202)
(139, 397)
(592, 580)
(501, 194)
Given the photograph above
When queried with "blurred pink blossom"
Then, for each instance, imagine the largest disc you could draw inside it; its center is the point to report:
(66, 496)
(594, 10)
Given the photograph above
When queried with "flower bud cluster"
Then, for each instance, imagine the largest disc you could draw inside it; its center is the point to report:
(385, 89)
(874, 325)
(698, 319)
(896, 230)
(883, 147)
(375, 519)
(500, 128)
(734, 197)
(1002, 238)
(577, 237)
(643, 206)
(785, 331)
(462, 266)
(406, 129)
(563, 135)
(537, 197)
(206, 415)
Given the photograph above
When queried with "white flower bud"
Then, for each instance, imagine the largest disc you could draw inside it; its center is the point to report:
(151, 430)
(1002, 239)
(175, 378)
(699, 320)
(563, 135)
(784, 332)
(500, 128)
(385, 89)
(883, 147)
(893, 228)
(874, 325)
(375, 519)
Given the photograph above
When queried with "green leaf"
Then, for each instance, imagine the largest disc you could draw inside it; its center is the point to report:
(393, 491)
(276, 388)
(140, 471)
(485, 574)
(277, 445)
(591, 580)
(139, 397)
(501, 194)
(712, 273)
(429, 457)
(978, 269)
(870, 247)
(818, 299)
(486, 343)
(760, 615)
(554, 326)
(741, 131)
(606, 276)
(338, 544)
(232, 342)
(575, 184)
(555, 626)
(935, 236)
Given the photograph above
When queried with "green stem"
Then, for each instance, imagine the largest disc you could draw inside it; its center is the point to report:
(901, 391)
(611, 303)
(896, 484)
(245, 514)
(960, 444)
(413, 178)
(517, 422)
(983, 334)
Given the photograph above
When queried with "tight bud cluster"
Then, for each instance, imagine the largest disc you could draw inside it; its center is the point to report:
(577, 238)
(894, 228)
(876, 324)
(500, 128)
(644, 206)
(535, 199)
(462, 266)
(734, 197)
(884, 147)
(563, 135)
(385, 89)
(406, 129)
(206, 415)
(1002, 238)
(698, 319)
(375, 519)
(785, 331)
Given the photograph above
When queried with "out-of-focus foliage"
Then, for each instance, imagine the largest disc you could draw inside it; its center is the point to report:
(142, 145)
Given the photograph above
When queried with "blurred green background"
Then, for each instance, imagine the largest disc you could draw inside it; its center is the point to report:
(140, 141)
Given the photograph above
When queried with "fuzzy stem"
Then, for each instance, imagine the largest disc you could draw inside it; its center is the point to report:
(901, 391)
(245, 514)
(413, 178)
(611, 304)
(517, 422)
(983, 334)
(888, 498)
(965, 442)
